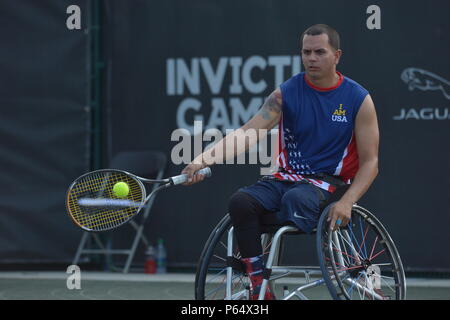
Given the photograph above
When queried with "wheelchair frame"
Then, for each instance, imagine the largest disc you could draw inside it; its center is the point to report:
(331, 279)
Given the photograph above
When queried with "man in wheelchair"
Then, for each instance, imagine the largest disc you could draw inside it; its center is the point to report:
(328, 141)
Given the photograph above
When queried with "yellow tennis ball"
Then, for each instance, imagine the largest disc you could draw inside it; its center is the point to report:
(121, 189)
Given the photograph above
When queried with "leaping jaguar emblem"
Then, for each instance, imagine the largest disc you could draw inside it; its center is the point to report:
(425, 81)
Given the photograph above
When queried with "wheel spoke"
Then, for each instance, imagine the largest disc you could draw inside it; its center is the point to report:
(220, 258)
(378, 254)
(386, 283)
(359, 257)
(345, 254)
(373, 247)
(349, 268)
(363, 242)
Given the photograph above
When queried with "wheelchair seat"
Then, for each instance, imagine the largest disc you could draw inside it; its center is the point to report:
(270, 225)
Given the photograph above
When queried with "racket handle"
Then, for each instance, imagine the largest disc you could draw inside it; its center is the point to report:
(182, 178)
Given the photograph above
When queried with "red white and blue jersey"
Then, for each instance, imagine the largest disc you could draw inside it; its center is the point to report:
(316, 130)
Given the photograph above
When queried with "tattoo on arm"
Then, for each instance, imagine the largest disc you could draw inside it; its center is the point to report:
(271, 105)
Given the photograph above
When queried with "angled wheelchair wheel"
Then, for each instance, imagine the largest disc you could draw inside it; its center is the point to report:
(360, 261)
(211, 277)
(220, 274)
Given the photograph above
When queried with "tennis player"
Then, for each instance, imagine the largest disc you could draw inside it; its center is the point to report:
(328, 134)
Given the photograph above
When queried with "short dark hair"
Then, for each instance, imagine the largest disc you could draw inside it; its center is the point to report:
(317, 29)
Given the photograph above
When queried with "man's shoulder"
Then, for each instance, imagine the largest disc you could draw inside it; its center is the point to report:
(355, 91)
(292, 82)
(352, 84)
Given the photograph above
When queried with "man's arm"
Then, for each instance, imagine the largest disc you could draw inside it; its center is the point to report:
(367, 141)
(266, 118)
(269, 114)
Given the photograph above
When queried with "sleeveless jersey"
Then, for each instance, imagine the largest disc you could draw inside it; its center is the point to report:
(316, 130)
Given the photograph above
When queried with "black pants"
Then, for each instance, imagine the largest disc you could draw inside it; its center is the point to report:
(246, 213)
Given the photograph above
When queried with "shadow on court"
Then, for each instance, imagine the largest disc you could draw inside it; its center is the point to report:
(99, 286)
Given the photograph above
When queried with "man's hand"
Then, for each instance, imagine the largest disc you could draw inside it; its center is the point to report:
(190, 170)
(342, 210)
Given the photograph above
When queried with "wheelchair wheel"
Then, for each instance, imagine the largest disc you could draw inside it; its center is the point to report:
(360, 261)
(211, 276)
(210, 280)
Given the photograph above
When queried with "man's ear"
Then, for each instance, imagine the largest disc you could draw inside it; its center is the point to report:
(337, 55)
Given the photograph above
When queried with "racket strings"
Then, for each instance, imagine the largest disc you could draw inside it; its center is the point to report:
(99, 217)
(109, 217)
(99, 185)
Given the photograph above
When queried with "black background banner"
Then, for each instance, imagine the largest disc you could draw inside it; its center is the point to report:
(172, 62)
(410, 195)
(44, 128)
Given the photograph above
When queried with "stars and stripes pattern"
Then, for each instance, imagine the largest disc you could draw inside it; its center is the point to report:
(293, 168)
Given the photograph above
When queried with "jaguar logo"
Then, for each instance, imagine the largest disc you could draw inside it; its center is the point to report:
(424, 80)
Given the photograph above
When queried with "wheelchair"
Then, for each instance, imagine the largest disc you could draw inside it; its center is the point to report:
(356, 262)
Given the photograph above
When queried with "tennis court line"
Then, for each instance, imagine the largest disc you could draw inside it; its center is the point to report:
(174, 277)
(100, 276)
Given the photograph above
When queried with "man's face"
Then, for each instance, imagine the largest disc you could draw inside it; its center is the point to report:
(319, 58)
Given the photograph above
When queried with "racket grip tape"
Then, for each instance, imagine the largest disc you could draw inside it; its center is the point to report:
(182, 178)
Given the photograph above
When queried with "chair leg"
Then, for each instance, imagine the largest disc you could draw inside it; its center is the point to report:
(83, 241)
(136, 240)
(229, 268)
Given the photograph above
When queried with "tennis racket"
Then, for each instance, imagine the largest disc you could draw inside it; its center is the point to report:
(93, 206)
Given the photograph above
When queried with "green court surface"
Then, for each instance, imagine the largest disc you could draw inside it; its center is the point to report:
(115, 286)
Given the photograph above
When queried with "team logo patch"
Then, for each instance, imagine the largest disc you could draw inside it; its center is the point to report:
(339, 114)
